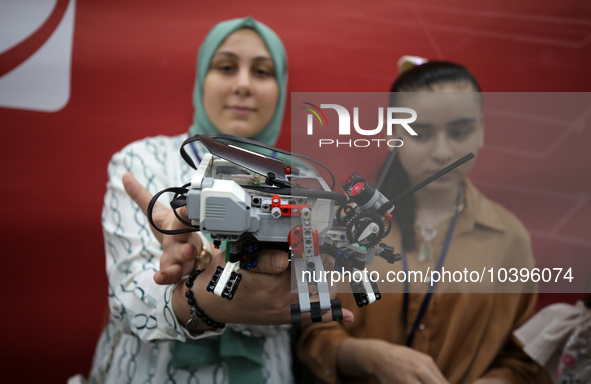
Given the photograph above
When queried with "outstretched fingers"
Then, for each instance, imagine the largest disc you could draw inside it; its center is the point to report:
(142, 198)
(179, 251)
(136, 191)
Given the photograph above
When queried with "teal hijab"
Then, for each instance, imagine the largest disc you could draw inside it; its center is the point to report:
(215, 37)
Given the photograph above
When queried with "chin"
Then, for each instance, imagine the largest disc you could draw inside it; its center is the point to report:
(442, 185)
(241, 131)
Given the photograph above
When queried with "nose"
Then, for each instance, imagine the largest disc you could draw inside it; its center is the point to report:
(441, 151)
(243, 82)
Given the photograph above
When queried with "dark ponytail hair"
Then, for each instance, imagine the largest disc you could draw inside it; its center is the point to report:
(419, 78)
(425, 76)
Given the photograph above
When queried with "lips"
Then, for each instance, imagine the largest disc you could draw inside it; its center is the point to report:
(444, 177)
(240, 110)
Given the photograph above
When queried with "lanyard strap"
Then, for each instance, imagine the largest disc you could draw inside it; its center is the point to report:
(427, 299)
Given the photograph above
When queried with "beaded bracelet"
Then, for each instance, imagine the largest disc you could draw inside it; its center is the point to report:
(196, 312)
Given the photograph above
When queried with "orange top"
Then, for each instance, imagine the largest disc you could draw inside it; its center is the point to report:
(468, 335)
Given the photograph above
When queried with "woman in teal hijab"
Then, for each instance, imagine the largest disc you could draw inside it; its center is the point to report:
(240, 89)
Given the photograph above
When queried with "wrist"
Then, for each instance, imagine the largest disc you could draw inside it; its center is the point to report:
(349, 361)
(186, 298)
(197, 315)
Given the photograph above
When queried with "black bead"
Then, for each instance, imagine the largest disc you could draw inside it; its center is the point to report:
(195, 310)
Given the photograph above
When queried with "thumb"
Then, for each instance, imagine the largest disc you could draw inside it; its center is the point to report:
(348, 316)
(271, 261)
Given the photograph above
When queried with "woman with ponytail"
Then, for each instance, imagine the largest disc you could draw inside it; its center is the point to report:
(422, 334)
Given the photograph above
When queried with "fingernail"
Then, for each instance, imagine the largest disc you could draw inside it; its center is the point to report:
(161, 277)
(277, 261)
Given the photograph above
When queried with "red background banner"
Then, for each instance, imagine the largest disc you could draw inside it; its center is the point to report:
(132, 74)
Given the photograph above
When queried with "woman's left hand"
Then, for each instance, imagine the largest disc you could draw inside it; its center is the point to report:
(179, 251)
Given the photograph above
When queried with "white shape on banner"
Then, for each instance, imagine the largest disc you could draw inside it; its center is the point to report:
(42, 81)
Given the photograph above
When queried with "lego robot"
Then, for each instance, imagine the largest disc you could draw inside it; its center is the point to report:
(251, 201)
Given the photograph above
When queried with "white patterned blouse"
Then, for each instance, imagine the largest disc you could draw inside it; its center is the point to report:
(138, 343)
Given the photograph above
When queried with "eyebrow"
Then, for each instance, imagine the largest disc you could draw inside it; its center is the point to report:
(460, 121)
(235, 56)
(421, 125)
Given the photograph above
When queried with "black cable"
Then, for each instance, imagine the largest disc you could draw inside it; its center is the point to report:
(388, 230)
(179, 201)
(387, 166)
(179, 218)
(184, 153)
(386, 206)
(177, 191)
